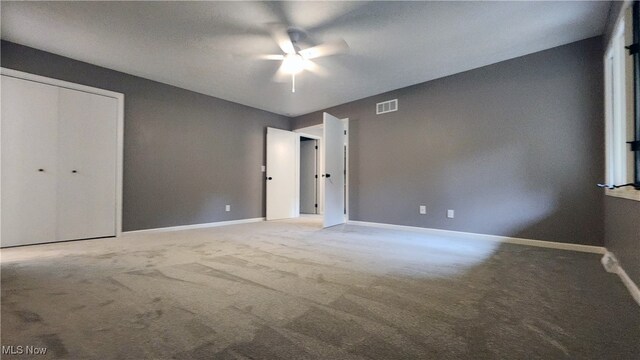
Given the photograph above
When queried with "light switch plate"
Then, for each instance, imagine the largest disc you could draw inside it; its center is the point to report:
(450, 214)
(227, 208)
(423, 210)
(263, 168)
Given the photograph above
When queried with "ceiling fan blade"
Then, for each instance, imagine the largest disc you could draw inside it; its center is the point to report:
(281, 36)
(270, 57)
(243, 56)
(325, 49)
(281, 75)
(315, 68)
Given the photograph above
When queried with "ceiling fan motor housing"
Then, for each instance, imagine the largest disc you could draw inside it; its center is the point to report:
(296, 35)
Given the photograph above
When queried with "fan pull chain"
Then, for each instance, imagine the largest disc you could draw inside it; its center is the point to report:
(293, 83)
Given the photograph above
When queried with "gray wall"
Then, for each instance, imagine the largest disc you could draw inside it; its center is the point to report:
(622, 233)
(515, 148)
(186, 155)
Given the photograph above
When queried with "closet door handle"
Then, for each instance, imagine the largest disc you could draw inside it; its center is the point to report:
(74, 171)
(269, 178)
(41, 170)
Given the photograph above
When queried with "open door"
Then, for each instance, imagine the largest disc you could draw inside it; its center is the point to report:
(281, 174)
(334, 178)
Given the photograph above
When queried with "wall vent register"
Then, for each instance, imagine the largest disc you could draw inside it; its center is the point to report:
(387, 106)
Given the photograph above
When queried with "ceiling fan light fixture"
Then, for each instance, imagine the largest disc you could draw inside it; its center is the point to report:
(293, 64)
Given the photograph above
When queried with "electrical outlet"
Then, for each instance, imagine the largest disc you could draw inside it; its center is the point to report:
(423, 210)
(227, 208)
(450, 214)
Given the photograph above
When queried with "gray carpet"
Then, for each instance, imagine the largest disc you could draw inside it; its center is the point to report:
(289, 290)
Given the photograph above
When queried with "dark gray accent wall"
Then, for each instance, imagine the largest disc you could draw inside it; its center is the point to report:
(186, 155)
(622, 233)
(515, 148)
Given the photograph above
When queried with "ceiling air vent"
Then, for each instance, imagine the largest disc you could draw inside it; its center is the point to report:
(387, 106)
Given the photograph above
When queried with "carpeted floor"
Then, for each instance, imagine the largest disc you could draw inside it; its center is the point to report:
(290, 290)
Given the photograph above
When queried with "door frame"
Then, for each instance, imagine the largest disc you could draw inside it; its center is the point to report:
(307, 132)
(317, 170)
(119, 126)
(320, 210)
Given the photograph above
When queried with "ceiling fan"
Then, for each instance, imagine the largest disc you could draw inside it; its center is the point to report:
(295, 60)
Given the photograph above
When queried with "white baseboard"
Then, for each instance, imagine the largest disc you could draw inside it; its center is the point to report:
(611, 264)
(195, 226)
(497, 238)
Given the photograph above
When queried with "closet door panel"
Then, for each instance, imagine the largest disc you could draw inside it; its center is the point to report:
(29, 128)
(87, 165)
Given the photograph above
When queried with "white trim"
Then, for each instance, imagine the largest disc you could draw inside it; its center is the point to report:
(61, 83)
(619, 110)
(318, 140)
(497, 238)
(302, 134)
(120, 125)
(346, 179)
(297, 179)
(611, 264)
(608, 116)
(119, 164)
(194, 226)
(312, 134)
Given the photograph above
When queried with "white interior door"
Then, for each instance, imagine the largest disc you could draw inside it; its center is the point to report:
(29, 166)
(281, 174)
(86, 165)
(333, 176)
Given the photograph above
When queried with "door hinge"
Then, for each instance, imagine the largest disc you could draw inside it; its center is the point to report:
(316, 176)
(345, 132)
(316, 147)
(316, 205)
(635, 145)
(633, 48)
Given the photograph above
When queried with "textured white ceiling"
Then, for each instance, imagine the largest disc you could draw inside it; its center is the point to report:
(201, 46)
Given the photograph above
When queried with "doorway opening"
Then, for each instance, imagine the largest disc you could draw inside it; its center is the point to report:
(307, 172)
(332, 167)
(308, 175)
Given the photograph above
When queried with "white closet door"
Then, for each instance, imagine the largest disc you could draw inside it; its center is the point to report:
(29, 151)
(86, 165)
(281, 174)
